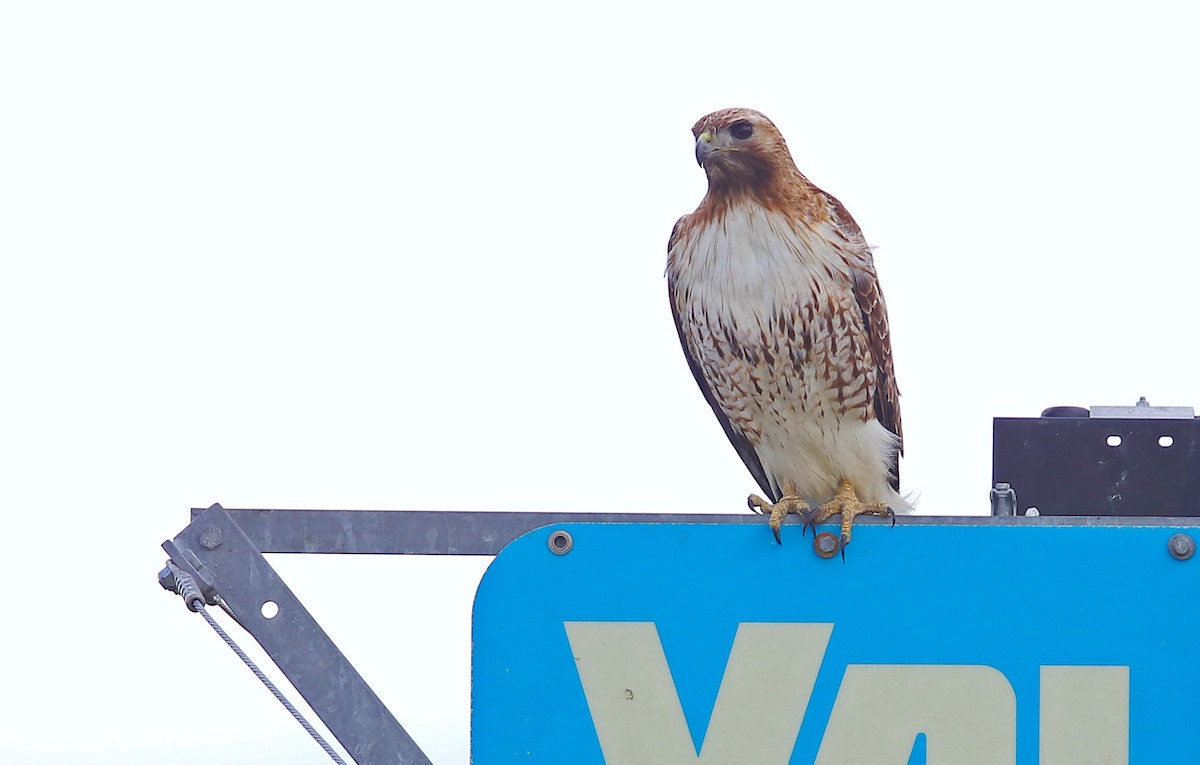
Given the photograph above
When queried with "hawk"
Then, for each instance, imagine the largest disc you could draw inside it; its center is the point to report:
(779, 311)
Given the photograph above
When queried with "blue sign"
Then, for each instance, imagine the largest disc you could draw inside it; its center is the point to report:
(931, 644)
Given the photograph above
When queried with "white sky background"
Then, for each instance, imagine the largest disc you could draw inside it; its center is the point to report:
(410, 256)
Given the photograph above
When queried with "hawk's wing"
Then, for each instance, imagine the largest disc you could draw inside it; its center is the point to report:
(887, 395)
(874, 314)
(742, 444)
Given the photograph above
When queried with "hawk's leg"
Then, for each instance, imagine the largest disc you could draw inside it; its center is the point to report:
(790, 502)
(849, 506)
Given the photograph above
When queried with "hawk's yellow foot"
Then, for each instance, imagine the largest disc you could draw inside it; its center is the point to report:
(790, 502)
(847, 504)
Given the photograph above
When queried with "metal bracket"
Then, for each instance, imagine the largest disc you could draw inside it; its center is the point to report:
(423, 532)
(1143, 411)
(228, 564)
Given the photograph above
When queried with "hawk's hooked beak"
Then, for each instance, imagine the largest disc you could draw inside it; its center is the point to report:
(704, 147)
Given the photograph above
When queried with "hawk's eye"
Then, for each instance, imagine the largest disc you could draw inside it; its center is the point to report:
(741, 130)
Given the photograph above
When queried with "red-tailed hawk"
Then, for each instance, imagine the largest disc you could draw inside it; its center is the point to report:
(779, 312)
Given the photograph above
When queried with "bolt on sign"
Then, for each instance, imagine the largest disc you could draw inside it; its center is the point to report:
(933, 643)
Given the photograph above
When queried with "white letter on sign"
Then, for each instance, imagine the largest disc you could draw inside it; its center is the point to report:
(967, 713)
(765, 689)
(1085, 716)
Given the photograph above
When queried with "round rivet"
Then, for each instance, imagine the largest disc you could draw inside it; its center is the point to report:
(826, 544)
(210, 537)
(1181, 546)
(560, 542)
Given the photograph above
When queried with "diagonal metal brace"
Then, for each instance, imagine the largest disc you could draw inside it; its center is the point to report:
(215, 551)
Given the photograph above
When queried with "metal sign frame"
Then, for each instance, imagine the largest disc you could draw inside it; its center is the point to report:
(223, 551)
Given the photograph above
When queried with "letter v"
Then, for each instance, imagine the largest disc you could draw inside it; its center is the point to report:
(636, 710)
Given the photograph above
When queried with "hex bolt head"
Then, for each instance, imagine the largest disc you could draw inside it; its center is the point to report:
(1181, 546)
(210, 537)
(826, 544)
(560, 542)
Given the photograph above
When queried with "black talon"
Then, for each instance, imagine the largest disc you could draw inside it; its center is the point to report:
(777, 539)
(845, 542)
(892, 514)
(810, 522)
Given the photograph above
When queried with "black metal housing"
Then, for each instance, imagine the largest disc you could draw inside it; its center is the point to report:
(1099, 466)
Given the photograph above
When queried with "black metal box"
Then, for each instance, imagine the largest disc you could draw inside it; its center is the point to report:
(1098, 466)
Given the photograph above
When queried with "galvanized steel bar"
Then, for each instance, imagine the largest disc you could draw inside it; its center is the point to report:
(422, 532)
(445, 532)
(215, 550)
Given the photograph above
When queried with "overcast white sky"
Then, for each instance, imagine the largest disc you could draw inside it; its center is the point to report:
(410, 256)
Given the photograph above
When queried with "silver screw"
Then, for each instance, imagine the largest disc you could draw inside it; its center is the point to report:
(560, 542)
(210, 537)
(1181, 546)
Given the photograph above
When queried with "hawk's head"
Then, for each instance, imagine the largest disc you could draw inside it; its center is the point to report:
(741, 148)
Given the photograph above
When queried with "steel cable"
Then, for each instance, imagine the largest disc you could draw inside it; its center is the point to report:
(186, 587)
